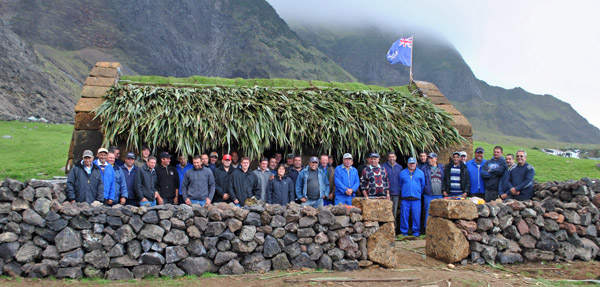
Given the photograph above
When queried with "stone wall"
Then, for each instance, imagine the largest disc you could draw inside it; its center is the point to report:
(561, 223)
(43, 236)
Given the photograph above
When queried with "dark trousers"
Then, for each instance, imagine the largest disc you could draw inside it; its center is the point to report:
(134, 202)
(490, 195)
(170, 200)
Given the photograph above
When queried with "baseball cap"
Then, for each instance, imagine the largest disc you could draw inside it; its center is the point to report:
(290, 155)
(214, 154)
(226, 157)
(432, 154)
(463, 153)
(165, 154)
(88, 153)
(347, 155)
(479, 149)
(374, 154)
(313, 159)
(130, 155)
(102, 150)
(412, 160)
(457, 152)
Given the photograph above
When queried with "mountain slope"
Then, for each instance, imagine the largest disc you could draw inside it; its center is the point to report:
(490, 109)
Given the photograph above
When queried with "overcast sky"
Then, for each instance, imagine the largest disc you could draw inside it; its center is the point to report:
(543, 46)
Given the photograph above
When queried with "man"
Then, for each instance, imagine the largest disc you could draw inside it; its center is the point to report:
(214, 157)
(412, 182)
(264, 175)
(129, 172)
(434, 174)
(108, 176)
(121, 190)
(144, 158)
(510, 164)
(117, 152)
(145, 183)
(492, 173)
(463, 157)
(346, 181)
(374, 181)
(520, 179)
(222, 179)
(182, 167)
(422, 160)
(456, 178)
(475, 167)
(167, 183)
(295, 169)
(331, 162)
(289, 161)
(243, 184)
(273, 163)
(84, 183)
(235, 160)
(393, 170)
(204, 160)
(198, 185)
(312, 185)
(329, 172)
(278, 157)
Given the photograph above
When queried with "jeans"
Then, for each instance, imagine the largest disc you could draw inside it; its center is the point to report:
(151, 203)
(201, 202)
(428, 199)
(343, 199)
(328, 202)
(408, 209)
(316, 203)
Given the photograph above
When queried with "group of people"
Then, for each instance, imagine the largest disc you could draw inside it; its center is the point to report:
(141, 181)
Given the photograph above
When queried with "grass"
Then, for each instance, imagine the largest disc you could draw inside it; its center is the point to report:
(36, 150)
(549, 167)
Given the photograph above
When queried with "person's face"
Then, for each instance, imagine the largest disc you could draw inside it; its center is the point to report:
(129, 162)
(330, 161)
(348, 162)
(463, 158)
(226, 162)
(151, 163)
(87, 161)
(297, 162)
(263, 164)
(324, 160)
(374, 161)
(278, 157)
(521, 158)
(110, 158)
(197, 163)
(369, 161)
(213, 159)
(391, 157)
(273, 163)
(234, 157)
(165, 161)
(479, 156)
(412, 166)
(281, 171)
(145, 153)
(433, 161)
(289, 161)
(117, 153)
(204, 159)
(423, 157)
(182, 160)
(455, 159)
(497, 153)
(510, 160)
(101, 156)
(313, 165)
(245, 165)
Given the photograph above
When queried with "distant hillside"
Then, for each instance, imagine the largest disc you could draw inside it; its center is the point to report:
(490, 109)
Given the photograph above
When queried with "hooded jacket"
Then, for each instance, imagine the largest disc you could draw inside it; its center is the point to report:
(477, 184)
(280, 190)
(198, 184)
(221, 183)
(243, 185)
(492, 172)
(108, 179)
(84, 187)
(145, 182)
(120, 184)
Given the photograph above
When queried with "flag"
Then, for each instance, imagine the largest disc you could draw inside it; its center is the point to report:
(401, 52)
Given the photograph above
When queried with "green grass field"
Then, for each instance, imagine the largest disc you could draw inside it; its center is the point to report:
(36, 150)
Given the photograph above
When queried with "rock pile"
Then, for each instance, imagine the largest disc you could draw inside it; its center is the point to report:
(42, 236)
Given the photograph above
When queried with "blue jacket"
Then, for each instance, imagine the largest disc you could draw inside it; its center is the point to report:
(108, 179)
(477, 184)
(521, 178)
(502, 185)
(129, 178)
(303, 178)
(181, 172)
(280, 190)
(427, 171)
(412, 186)
(492, 173)
(120, 184)
(394, 177)
(344, 179)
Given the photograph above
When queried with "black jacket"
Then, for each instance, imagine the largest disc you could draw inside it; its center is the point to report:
(280, 190)
(82, 187)
(145, 182)
(167, 181)
(465, 182)
(243, 185)
(222, 179)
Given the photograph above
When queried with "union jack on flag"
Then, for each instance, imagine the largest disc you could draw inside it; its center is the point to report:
(401, 51)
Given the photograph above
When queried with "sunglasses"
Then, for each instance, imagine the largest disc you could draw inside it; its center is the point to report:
(520, 156)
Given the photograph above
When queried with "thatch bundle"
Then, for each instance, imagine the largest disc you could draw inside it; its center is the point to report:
(254, 119)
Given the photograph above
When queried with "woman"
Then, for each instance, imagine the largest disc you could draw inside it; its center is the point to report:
(280, 189)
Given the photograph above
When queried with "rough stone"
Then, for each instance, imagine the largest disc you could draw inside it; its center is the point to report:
(538, 255)
(117, 250)
(247, 233)
(33, 218)
(253, 218)
(280, 262)
(42, 206)
(231, 268)
(176, 237)
(142, 271)
(303, 261)
(224, 257)
(171, 270)
(244, 247)
(345, 265)
(151, 231)
(271, 247)
(69, 272)
(215, 228)
(452, 209)
(279, 232)
(72, 258)
(119, 274)
(8, 237)
(97, 258)
(67, 240)
(28, 253)
(509, 257)
(256, 262)
(445, 241)
(374, 210)
(196, 248)
(152, 258)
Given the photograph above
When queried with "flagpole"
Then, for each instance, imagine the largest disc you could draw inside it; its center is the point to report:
(411, 60)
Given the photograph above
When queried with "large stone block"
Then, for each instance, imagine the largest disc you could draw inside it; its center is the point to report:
(115, 65)
(453, 209)
(86, 121)
(88, 104)
(94, 91)
(444, 241)
(104, 72)
(381, 247)
(100, 81)
(375, 209)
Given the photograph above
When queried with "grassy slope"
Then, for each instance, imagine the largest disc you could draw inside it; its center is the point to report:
(33, 150)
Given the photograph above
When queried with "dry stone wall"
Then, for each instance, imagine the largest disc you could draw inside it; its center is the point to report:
(43, 236)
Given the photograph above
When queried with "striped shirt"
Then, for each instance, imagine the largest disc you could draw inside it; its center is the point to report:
(455, 181)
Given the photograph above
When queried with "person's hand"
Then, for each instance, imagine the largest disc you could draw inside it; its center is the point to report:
(503, 196)
(303, 199)
(349, 191)
(387, 196)
(72, 201)
(226, 196)
(464, 195)
(160, 200)
(272, 177)
(144, 199)
(176, 200)
(208, 201)
(331, 196)
(156, 194)
(236, 201)
(445, 194)
(109, 201)
(188, 201)
(513, 191)
(122, 201)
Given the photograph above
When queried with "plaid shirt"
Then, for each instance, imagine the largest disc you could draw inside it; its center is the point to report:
(374, 180)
